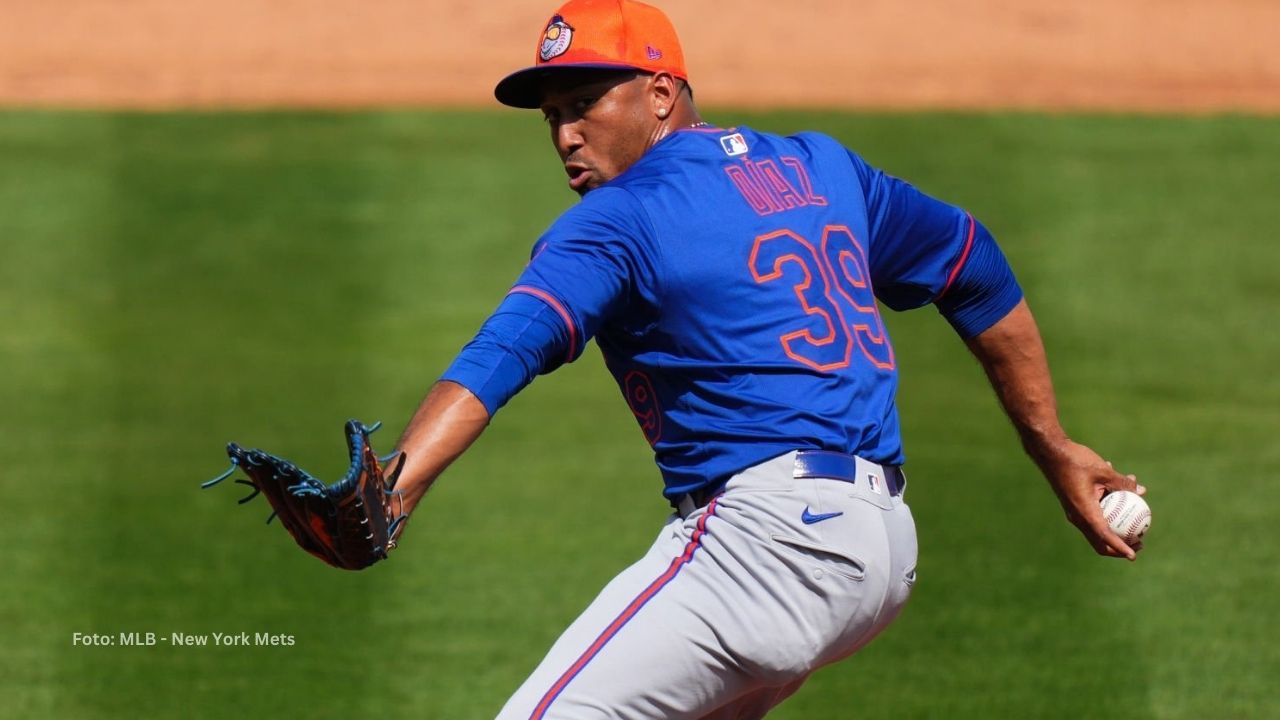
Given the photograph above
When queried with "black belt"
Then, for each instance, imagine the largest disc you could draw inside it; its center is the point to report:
(825, 464)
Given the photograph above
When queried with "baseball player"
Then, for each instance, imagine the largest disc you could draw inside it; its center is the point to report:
(730, 279)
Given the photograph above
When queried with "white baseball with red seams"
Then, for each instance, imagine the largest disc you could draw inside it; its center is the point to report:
(1127, 514)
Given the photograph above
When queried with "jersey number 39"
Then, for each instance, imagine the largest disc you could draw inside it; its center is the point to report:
(834, 287)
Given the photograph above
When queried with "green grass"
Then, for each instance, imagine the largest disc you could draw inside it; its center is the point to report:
(171, 282)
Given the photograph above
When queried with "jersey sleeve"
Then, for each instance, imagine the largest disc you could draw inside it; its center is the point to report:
(521, 339)
(923, 251)
(597, 262)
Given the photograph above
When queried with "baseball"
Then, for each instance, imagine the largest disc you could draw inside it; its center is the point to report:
(1127, 514)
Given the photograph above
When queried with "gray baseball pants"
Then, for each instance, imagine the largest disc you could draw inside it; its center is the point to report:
(736, 602)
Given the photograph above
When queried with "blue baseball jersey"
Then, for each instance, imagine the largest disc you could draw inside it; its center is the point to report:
(730, 279)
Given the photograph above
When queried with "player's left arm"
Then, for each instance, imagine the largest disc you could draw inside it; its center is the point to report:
(445, 424)
(584, 269)
(1013, 356)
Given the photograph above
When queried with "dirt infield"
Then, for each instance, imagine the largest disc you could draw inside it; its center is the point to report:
(1182, 55)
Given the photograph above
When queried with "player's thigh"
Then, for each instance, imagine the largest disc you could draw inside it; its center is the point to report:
(821, 585)
(720, 614)
(651, 645)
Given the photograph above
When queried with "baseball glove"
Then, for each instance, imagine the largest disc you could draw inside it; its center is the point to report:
(350, 524)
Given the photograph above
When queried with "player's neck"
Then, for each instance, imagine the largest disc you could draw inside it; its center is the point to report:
(682, 117)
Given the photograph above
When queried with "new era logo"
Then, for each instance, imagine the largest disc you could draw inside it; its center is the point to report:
(653, 52)
(734, 145)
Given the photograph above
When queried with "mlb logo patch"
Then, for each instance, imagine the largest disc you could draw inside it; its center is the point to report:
(875, 484)
(734, 145)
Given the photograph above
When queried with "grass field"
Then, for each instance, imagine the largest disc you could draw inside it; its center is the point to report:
(172, 282)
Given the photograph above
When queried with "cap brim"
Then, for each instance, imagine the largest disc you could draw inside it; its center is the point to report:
(523, 88)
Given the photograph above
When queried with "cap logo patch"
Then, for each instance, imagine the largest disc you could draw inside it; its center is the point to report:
(556, 39)
(653, 52)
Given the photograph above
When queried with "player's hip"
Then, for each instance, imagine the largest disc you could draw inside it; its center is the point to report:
(842, 549)
(807, 477)
(837, 509)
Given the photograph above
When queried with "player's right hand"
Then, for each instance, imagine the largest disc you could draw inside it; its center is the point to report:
(1080, 477)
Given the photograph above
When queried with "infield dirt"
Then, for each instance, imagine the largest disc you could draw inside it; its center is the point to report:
(1149, 55)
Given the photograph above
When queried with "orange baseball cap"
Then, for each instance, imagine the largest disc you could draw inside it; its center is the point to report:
(604, 34)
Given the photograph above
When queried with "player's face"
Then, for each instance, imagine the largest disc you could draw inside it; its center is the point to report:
(601, 123)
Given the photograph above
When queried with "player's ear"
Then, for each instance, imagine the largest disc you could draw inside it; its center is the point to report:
(664, 90)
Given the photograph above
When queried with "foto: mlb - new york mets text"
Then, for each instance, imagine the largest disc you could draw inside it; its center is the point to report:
(181, 639)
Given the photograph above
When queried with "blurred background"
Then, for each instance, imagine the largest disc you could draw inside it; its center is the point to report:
(250, 221)
(973, 54)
